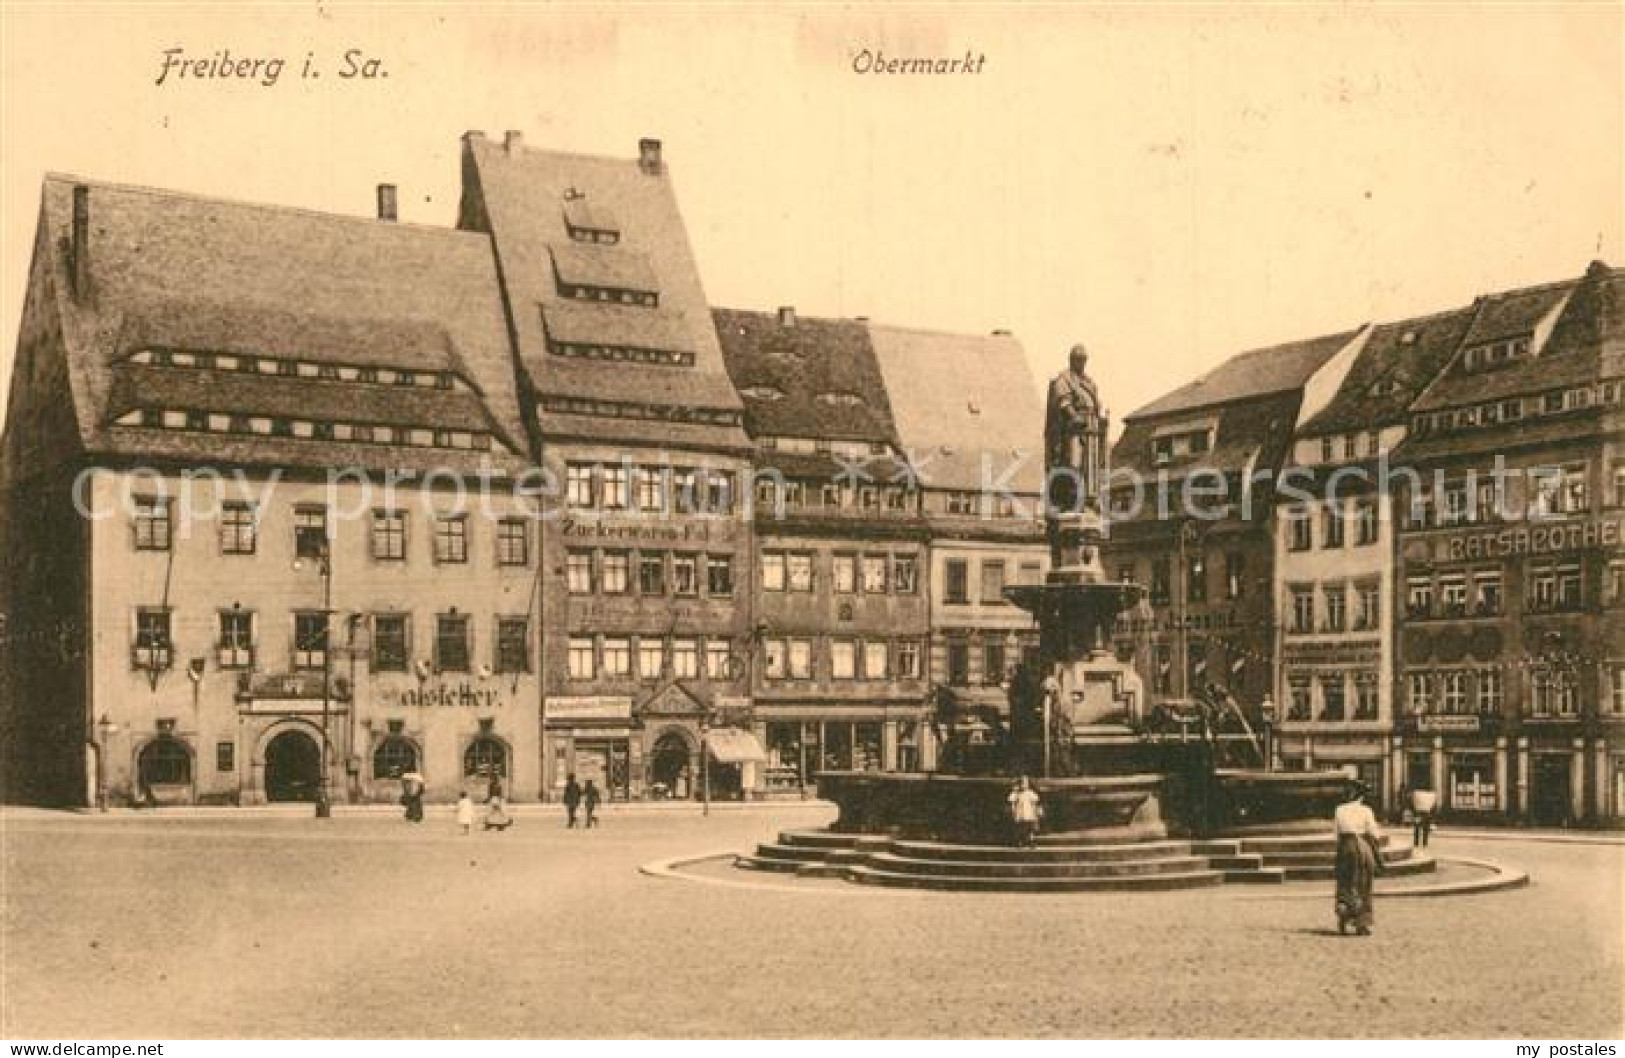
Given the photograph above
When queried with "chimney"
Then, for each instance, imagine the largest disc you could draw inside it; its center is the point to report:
(474, 134)
(79, 249)
(386, 202)
(787, 315)
(512, 141)
(1000, 332)
(649, 156)
(1598, 270)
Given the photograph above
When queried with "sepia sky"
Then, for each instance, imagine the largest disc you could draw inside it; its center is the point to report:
(1170, 184)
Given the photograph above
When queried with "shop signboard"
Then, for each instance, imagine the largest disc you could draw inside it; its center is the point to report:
(1441, 723)
(601, 709)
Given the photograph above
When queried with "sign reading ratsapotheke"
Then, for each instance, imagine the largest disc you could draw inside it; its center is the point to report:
(1536, 539)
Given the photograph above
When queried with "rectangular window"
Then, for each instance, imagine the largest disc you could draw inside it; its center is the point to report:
(389, 535)
(651, 574)
(614, 572)
(1125, 573)
(612, 489)
(992, 664)
(799, 571)
(235, 647)
(1365, 522)
(451, 649)
(225, 756)
(513, 644)
(513, 542)
(1616, 690)
(1616, 581)
(845, 573)
(1303, 610)
(1576, 498)
(617, 657)
(310, 640)
(1369, 614)
(993, 582)
(152, 526)
(1619, 483)
(684, 486)
(1300, 532)
(1196, 578)
(1365, 696)
(1332, 704)
(578, 485)
(905, 574)
(1336, 609)
(1234, 571)
(1487, 593)
(1453, 503)
(774, 659)
(581, 660)
(908, 659)
(651, 658)
(309, 531)
(719, 492)
(956, 581)
(1453, 595)
(958, 663)
(1489, 690)
(650, 484)
(685, 574)
(873, 568)
(719, 576)
(1161, 576)
(391, 650)
(239, 529)
(874, 659)
(1298, 698)
(773, 571)
(578, 572)
(1419, 693)
(718, 660)
(1453, 691)
(1568, 585)
(685, 658)
(1418, 598)
(1332, 526)
(451, 539)
(1487, 501)
(842, 659)
(1162, 676)
(801, 659)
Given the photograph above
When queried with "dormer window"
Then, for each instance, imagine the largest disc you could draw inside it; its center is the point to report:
(763, 392)
(589, 223)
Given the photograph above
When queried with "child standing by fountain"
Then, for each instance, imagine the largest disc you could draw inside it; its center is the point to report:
(1025, 808)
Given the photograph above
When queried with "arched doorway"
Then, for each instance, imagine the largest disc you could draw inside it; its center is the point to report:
(669, 774)
(293, 767)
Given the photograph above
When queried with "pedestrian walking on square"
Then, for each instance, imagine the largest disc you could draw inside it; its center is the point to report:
(412, 796)
(1025, 809)
(1359, 857)
(493, 789)
(572, 800)
(589, 800)
(1423, 804)
(465, 812)
(496, 818)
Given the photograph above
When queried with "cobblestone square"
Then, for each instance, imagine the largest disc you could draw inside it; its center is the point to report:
(223, 924)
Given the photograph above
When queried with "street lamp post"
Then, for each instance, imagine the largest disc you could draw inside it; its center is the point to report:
(104, 733)
(324, 566)
(705, 765)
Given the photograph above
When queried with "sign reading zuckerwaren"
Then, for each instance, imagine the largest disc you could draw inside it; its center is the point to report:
(1536, 539)
(460, 695)
(661, 531)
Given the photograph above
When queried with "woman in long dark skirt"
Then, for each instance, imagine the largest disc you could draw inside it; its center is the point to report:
(1357, 861)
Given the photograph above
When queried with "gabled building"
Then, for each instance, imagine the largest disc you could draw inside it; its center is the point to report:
(1511, 560)
(236, 467)
(1334, 552)
(970, 428)
(639, 433)
(841, 612)
(1192, 517)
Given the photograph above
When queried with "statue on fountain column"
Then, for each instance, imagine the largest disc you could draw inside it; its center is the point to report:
(1074, 438)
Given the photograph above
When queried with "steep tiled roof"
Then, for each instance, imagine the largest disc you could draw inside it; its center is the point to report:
(184, 271)
(811, 378)
(959, 401)
(602, 266)
(1275, 369)
(521, 196)
(1252, 433)
(1397, 361)
(1591, 321)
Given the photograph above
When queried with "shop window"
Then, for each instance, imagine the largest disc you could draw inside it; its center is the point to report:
(844, 573)
(651, 574)
(451, 539)
(485, 757)
(310, 640)
(234, 649)
(389, 535)
(165, 761)
(239, 529)
(651, 658)
(151, 523)
(614, 572)
(391, 650)
(1472, 784)
(451, 648)
(719, 576)
(773, 571)
(513, 542)
(513, 644)
(908, 659)
(309, 532)
(993, 582)
(395, 756)
(153, 649)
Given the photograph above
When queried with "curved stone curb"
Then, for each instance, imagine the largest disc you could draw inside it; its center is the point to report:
(670, 869)
(1504, 878)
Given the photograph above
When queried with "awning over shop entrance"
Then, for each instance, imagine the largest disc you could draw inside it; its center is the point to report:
(732, 745)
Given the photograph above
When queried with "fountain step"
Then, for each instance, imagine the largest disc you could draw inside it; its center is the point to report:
(1326, 857)
(1223, 847)
(797, 853)
(932, 850)
(826, 839)
(1301, 843)
(823, 870)
(1027, 884)
(757, 863)
(1238, 862)
(1018, 867)
(1255, 876)
(1328, 872)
